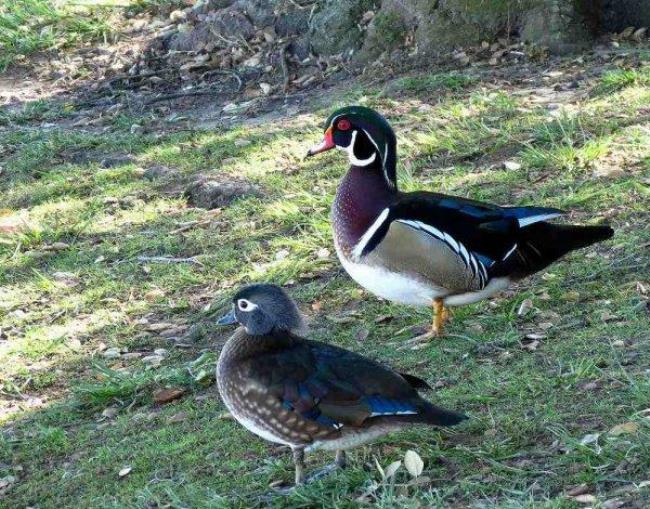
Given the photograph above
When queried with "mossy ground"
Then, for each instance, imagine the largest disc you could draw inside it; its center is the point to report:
(531, 404)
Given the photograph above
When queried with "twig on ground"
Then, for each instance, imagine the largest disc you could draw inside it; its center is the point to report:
(165, 259)
(189, 226)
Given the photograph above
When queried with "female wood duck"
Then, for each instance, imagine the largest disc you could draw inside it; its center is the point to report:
(306, 394)
(429, 249)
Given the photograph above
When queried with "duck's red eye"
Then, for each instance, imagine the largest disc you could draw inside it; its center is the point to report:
(343, 124)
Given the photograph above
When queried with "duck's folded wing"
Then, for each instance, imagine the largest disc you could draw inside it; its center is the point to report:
(333, 387)
(455, 238)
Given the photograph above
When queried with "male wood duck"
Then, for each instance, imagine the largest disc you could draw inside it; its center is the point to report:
(310, 395)
(429, 249)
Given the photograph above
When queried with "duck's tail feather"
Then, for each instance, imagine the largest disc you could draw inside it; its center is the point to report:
(540, 244)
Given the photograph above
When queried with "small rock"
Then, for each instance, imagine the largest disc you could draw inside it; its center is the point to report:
(110, 412)
(131, 355)
(158, 171)
(511, 165)
(111, 353)
(111, 161)
(240, 142)
(266, 88)
(153, 360)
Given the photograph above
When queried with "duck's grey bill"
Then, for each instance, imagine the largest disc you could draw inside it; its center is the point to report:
(228, 319)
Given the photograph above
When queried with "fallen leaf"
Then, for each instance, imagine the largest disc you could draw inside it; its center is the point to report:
(124, 472)
(413, 463)
(624, 428)
(525, 307)
(585, 499)
(591, 438)
(511, 165)
(323, 253)
(392, 469)
(162, 396)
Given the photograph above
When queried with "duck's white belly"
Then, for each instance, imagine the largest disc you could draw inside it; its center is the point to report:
(403, 289)
(391, 285)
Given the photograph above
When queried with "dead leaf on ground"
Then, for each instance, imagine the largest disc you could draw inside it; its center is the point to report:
(585, 499)
(511, 165)
(124, 472)
(162, 396)
(392, 469)
(525, 307)
(413, 463)
(624, 428)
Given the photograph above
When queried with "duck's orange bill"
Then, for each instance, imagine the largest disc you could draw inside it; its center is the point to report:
(326, 144)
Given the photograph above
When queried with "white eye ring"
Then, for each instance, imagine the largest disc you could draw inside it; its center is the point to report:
(246, 305)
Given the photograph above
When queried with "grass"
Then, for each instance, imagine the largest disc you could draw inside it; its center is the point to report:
(453, 81)
(83, 322)
(28, 26)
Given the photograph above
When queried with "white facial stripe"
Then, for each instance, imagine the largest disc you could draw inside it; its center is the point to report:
(363, 241)
(385, 156)
(353, 159)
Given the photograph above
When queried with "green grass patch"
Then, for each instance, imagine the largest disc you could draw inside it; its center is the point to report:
(27, 26)
(543, 417)
(454, 82)
(613, 81)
